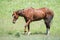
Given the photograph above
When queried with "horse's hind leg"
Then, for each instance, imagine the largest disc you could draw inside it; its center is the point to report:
(47, 27)
(47, 23)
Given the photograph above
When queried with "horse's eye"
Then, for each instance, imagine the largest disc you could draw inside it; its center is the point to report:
(14, 16)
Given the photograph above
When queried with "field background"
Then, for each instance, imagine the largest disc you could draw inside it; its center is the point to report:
(37, 28)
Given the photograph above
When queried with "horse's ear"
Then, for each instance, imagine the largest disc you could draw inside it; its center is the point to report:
(22, 9)
(13, 13)
(18, 12)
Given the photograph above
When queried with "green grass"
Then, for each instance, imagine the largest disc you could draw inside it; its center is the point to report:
(37, 28)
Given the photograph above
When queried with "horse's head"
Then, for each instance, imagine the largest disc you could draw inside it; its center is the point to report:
(16, 14)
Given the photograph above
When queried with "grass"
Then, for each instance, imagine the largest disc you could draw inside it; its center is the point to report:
(6, 26)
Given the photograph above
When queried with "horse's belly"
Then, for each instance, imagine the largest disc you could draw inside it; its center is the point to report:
(36, 19)
(39, 16)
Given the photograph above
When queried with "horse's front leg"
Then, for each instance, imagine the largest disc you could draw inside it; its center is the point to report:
(29, 29)
(27, 24)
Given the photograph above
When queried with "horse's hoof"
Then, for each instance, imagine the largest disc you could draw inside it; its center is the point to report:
(47, 34)
(29, 33)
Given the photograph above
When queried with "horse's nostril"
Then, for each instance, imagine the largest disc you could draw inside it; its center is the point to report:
(13, 22)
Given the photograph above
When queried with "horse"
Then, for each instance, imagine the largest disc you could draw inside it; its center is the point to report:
(32, 14)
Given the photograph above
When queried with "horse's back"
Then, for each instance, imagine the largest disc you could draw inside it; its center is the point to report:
(38, 13)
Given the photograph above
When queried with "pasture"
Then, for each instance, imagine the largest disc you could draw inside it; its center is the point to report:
(8, 30)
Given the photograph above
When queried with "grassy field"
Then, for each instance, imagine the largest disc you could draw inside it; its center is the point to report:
(6, 26)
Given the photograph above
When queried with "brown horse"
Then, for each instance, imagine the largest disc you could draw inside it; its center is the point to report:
(31, 14)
